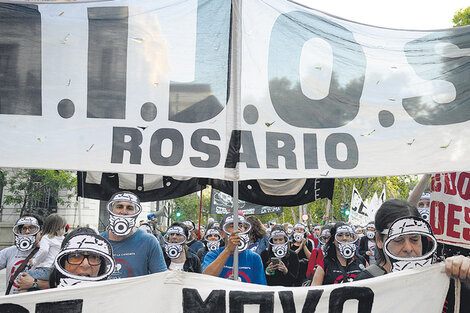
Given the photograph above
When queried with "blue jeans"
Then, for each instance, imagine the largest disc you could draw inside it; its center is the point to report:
(40, 273)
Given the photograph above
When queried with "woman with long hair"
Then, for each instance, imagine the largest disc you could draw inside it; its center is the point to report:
(281, 264)
(258, 236)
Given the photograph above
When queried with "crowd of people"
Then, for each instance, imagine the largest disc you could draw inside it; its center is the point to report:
(273, 254)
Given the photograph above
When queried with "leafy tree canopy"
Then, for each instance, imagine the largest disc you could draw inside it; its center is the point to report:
(38, 191)
(462, 17)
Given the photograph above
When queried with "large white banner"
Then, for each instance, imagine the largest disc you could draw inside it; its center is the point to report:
(412, 291)
(158, 87)
(450, 208)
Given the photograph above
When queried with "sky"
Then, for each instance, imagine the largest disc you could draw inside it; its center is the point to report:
(399, 14)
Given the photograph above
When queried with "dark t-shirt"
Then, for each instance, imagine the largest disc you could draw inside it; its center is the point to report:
(335, 273)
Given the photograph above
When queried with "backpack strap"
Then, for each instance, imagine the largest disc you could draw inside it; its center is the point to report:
(20, 269)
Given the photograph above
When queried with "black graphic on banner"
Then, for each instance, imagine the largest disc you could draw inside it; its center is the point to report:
(282, 192)
(451, 66)
(69, 306)
(342, 103)
(107, 62)
(207, 95)
(102, 186)
(20, 60)
(222, 203)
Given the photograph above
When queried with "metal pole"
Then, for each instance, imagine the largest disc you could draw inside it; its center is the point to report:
(327, 213)
(235, 226)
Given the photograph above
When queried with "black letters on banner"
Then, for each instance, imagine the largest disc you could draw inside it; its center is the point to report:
(211, 150)
(238, 139)
(287, 301)
(210, 77)
(192, 302)
(69, 306)
(310, 151)
(133, 145)
(310, 304)
(21, 67)
(156, 147)
(107, 62)
(429, 65)
(338, 296)
(274, 151)
(341, 105)
(12, 308)
(331, 156)
(237, 300)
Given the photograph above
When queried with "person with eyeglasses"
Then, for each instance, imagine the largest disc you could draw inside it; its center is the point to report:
(12, 258)
(84, 257)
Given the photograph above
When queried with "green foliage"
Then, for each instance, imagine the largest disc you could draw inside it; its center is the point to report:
(395, 187)
(27, 188)
(189, 206)
(462, 17)
(3, 178)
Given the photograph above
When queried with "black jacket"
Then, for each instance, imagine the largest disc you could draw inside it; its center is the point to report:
(364, 247)
(279, 279)
(192, 263)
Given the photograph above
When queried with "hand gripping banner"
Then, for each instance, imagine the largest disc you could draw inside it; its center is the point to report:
(180, 292)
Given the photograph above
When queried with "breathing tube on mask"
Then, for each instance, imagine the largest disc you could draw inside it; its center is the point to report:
(244, 226)
(346, 238)
(279, 250)
(212, 244)
(172, 248)
(24, 242)
(122, 224)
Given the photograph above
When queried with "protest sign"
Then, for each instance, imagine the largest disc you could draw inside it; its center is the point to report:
(158, 87)
(450, 208)
(176, 291)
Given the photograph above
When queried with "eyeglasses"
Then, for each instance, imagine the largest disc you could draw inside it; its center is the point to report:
(31, 229)
(77, 258)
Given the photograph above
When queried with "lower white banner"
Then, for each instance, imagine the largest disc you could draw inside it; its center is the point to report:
(414, 291)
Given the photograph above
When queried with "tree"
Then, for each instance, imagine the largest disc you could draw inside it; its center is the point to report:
(39, 191)
(189, 206)
(462, 17)
(395, 187)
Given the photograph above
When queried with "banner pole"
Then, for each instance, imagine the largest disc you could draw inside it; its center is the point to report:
(235, 226)
(200, 217)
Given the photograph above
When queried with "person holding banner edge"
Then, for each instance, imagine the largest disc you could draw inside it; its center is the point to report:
(405, 240)
(12, 258)
(219, 262)
(84, 257)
